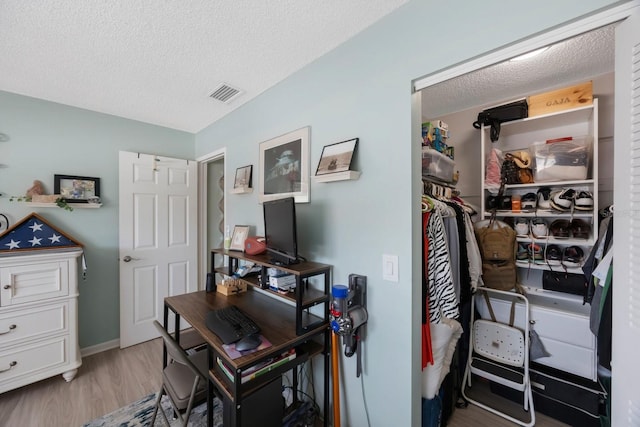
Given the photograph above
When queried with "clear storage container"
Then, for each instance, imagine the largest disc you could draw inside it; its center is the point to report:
(437, 165)
(562, 160)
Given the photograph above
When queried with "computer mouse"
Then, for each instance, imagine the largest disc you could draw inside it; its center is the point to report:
(248, 343)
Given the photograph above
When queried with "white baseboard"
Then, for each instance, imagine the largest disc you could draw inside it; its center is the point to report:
(88, 351)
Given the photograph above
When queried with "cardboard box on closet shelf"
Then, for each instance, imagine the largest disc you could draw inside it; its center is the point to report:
(579, 95)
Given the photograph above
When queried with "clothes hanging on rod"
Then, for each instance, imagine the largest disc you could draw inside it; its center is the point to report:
(599, 271)
(451, 269)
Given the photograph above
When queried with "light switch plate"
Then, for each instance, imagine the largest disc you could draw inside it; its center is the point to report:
(390, 267)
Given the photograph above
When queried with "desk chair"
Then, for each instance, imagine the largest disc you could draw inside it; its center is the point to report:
(184, 379)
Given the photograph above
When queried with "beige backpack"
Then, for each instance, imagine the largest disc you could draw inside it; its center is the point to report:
(497, 243)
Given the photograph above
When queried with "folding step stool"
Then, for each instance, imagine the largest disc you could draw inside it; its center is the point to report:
(499, 352)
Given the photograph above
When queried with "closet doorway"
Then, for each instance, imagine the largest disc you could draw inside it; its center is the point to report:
(211, 209)
(456, 96)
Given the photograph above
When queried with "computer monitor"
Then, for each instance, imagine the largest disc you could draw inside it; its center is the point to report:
(280, 230)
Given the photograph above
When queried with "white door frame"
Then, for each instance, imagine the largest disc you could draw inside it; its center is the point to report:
(203, 193)
(606, 17)
(567, 31)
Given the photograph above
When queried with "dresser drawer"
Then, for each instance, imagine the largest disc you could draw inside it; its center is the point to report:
(25, 324)
(560, 326)
(570, 328)
(569, 358)
(33, 282)
(33, 360)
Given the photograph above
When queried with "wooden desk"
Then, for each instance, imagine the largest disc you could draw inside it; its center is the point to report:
(277, 321)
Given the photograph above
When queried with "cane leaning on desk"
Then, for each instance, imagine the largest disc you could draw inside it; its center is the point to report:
(277, 321)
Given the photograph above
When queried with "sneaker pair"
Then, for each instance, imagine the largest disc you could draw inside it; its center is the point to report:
(537, 227)
(530, 253)
(576, 228)
(567, 198)
(571, 256)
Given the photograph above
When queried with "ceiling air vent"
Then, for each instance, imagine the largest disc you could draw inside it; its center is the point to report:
(225, 93)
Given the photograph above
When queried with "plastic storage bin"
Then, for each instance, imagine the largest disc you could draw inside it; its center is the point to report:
(562, 160)
(437, 165)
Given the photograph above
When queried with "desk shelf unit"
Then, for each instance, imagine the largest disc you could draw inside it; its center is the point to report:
(304, 297)
(285, 321)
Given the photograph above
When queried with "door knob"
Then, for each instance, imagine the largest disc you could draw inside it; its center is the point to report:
(6, 287)
(127, 258)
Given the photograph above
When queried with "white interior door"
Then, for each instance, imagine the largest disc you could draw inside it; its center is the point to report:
(626, 258)
(158, 239)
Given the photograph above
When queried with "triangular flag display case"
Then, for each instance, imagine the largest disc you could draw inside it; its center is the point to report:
(33, 232)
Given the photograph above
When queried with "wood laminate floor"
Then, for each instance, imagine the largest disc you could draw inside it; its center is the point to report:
(109, 380)
(105, 382)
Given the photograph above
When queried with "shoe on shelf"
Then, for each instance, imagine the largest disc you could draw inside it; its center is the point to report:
(583, 201)
(522, 227)
(580, 229)
(544, 196)
(539, 228)
(553, 255)
(562, 200)
(504, 204)
(522, 255)
(572, 257)
(528, 202)
(492, 203)
(560, 229)
(536, 253)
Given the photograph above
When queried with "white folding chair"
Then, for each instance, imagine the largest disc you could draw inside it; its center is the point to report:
(499, 352)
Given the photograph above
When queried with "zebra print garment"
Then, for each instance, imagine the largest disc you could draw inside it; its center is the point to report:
(442, 296)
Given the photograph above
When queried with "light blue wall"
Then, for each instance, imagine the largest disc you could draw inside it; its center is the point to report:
(48, 138)
(363, 89)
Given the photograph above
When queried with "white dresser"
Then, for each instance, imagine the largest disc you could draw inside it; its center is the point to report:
(38, 316)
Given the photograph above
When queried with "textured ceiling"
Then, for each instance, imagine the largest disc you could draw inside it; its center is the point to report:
(571, 61)
(158, 61)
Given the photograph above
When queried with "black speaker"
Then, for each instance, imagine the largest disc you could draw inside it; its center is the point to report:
(210, 286)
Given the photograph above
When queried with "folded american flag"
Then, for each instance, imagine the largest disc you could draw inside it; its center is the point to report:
(33, 233)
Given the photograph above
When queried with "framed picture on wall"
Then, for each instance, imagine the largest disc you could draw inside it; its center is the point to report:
(284, 167)
(243, 177)
(76, 189)
(337, 157)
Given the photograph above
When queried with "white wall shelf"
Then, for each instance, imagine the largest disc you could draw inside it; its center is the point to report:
(241, 190)
(338, 176)
(73, 205)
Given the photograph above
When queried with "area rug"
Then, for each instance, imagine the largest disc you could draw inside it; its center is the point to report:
(138, 414)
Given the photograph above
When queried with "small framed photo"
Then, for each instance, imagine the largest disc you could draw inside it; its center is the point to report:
(243, 177)
(240, 234)
(77, 189)
(337, 157)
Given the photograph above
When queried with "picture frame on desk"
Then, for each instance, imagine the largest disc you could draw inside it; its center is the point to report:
(240, 233)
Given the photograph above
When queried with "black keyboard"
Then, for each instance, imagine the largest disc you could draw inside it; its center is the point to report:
(230, 324)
